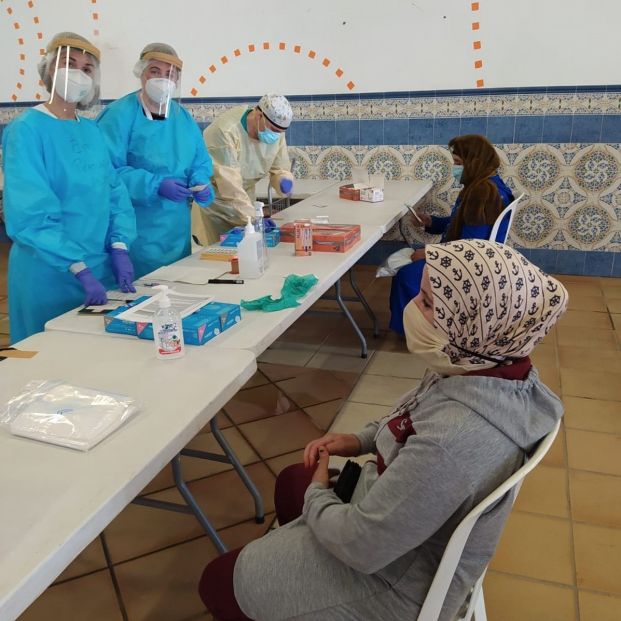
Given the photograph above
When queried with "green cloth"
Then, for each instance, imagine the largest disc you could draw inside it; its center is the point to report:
(294, 288)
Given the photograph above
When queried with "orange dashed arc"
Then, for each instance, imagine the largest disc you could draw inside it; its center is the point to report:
(265, 45)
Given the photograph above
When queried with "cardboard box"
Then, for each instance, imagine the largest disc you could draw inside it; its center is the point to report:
(349, 193)
(198, 328)
(372, 195)
(326, 237)
(234, 236)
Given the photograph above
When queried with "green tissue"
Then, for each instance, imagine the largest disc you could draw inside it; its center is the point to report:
(294, 288)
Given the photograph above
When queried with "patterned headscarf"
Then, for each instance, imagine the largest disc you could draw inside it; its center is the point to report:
(490, 301)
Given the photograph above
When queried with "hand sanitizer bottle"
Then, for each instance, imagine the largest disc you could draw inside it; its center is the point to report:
(167, 329)
(250, 253)
(259, 227)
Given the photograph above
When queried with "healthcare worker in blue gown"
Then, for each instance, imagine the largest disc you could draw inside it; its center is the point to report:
(481, 200)
(66, 209)
(159, 152)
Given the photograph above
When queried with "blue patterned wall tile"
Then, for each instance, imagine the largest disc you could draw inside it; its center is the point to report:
(616, 265)
(348, 132)
(324, 133)
(545, 258)
(372, 132)
(557, 128)
(473, 125)
(396, 131)
(586, 128)
(420, 131)
(570, 262)
(528, 128)
(444, 129)
(598, 263)
(611, 128)
(301, 133)
(501, 129)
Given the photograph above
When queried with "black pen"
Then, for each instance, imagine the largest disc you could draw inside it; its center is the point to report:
(221, 281)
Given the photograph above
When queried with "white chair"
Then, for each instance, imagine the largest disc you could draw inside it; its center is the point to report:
(507, 212)
(436, 595)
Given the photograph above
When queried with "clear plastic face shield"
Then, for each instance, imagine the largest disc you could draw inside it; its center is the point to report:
(161, 85)
(73, 75)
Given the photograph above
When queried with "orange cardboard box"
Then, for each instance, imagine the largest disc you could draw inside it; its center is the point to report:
(349, 192)
(326, 237)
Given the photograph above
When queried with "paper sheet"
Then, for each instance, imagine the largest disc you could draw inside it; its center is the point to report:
(187, 274)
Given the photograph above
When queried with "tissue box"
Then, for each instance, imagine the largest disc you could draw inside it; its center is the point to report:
(326, 237)
(234, 236)
(198, 328)
(349, 193)
(372, 195)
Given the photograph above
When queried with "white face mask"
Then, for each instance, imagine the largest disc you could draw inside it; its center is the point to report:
(427, 342)
(160, 90)
(73, 85)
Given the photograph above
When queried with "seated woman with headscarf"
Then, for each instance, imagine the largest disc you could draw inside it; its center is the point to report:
(480, 202)
(477, 414)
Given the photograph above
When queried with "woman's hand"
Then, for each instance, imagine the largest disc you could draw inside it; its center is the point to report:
(418, 254)
(322, 475)
(343, 444)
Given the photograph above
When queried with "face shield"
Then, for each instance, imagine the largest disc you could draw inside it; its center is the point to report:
(160, 76)
(71, 73)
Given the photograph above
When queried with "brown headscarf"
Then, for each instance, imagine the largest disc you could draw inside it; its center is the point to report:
(480, 202)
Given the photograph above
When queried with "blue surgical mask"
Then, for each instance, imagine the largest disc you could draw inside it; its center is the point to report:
(458, 171)
(267, 135)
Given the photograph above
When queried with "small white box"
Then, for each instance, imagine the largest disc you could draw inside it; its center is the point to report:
(372, 195)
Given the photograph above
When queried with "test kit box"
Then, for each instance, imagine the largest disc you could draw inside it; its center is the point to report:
(369, 194)
(349, 192)
(234, 237)
(198, 328)
(372, 195)
(326, 237)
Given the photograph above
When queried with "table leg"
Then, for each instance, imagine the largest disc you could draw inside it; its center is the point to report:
(339, 298)
(363, 301)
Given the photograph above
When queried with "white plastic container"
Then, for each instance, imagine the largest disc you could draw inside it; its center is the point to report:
(259, 227)
(167, 329)
(250, 253)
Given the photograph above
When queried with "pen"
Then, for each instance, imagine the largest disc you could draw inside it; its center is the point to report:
(413, 211)
(223, 281)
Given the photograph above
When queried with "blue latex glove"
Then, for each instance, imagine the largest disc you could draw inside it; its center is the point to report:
(95, 291)
(269, 224)
(205, 196)
(174, 189)
(286, 185)
(123, 269)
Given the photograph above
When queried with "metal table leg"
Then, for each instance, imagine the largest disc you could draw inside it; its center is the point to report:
(339, 298)
(363, 301)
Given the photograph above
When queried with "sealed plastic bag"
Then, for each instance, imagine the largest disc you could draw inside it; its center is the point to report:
(395, 262)
(67, 415)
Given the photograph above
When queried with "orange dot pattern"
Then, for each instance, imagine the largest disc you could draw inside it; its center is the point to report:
(95, 17)
(476, 44)
(281, 46)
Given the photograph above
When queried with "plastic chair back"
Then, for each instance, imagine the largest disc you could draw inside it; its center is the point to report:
(499, 233)
(434, 600)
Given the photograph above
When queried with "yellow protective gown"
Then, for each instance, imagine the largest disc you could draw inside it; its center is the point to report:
(238, 163)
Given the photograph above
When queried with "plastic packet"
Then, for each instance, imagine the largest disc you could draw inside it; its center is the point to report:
(64, 414)
(395, 262)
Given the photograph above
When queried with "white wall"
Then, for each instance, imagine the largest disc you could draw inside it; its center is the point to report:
(386, 45)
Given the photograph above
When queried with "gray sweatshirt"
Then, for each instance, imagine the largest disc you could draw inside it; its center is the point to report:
(447, 445)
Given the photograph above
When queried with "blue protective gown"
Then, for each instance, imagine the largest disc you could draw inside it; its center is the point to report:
(145, 152)
(63, 203)
(406, 282)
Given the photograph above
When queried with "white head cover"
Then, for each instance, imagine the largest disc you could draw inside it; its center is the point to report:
(277, 109)
(490, 301)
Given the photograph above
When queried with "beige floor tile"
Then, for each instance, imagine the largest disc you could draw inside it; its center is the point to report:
(616, 320)
(599, 607)
(393, 342)
(510, 598)
(311, 329)
(89, 560)
(344, 335)
(256, 403)
(570, 336)
(164, 586)
(591, 384)
(323, 415)
(545, 491)
(613, 305)
(598, 558)
(381, 390)
(194, 468)
(578, 289)
(588, 319)
(4, 305)
(608, 361)
(536, 547)
(592, 415)
(258, 379)
(91, 597)
(611, 290)
(587, 303)
(354, 416)
(595, 498)
(276, 464)
(281, 434)
(339, 359)
(550, 376)
(595, 452)
(318, 386)
(4, 325)
(557, 455)
(278, 372)
(289, 354)
(396, 364)
(544, 355)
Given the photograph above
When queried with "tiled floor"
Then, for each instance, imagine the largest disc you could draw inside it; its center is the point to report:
(559, 558)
